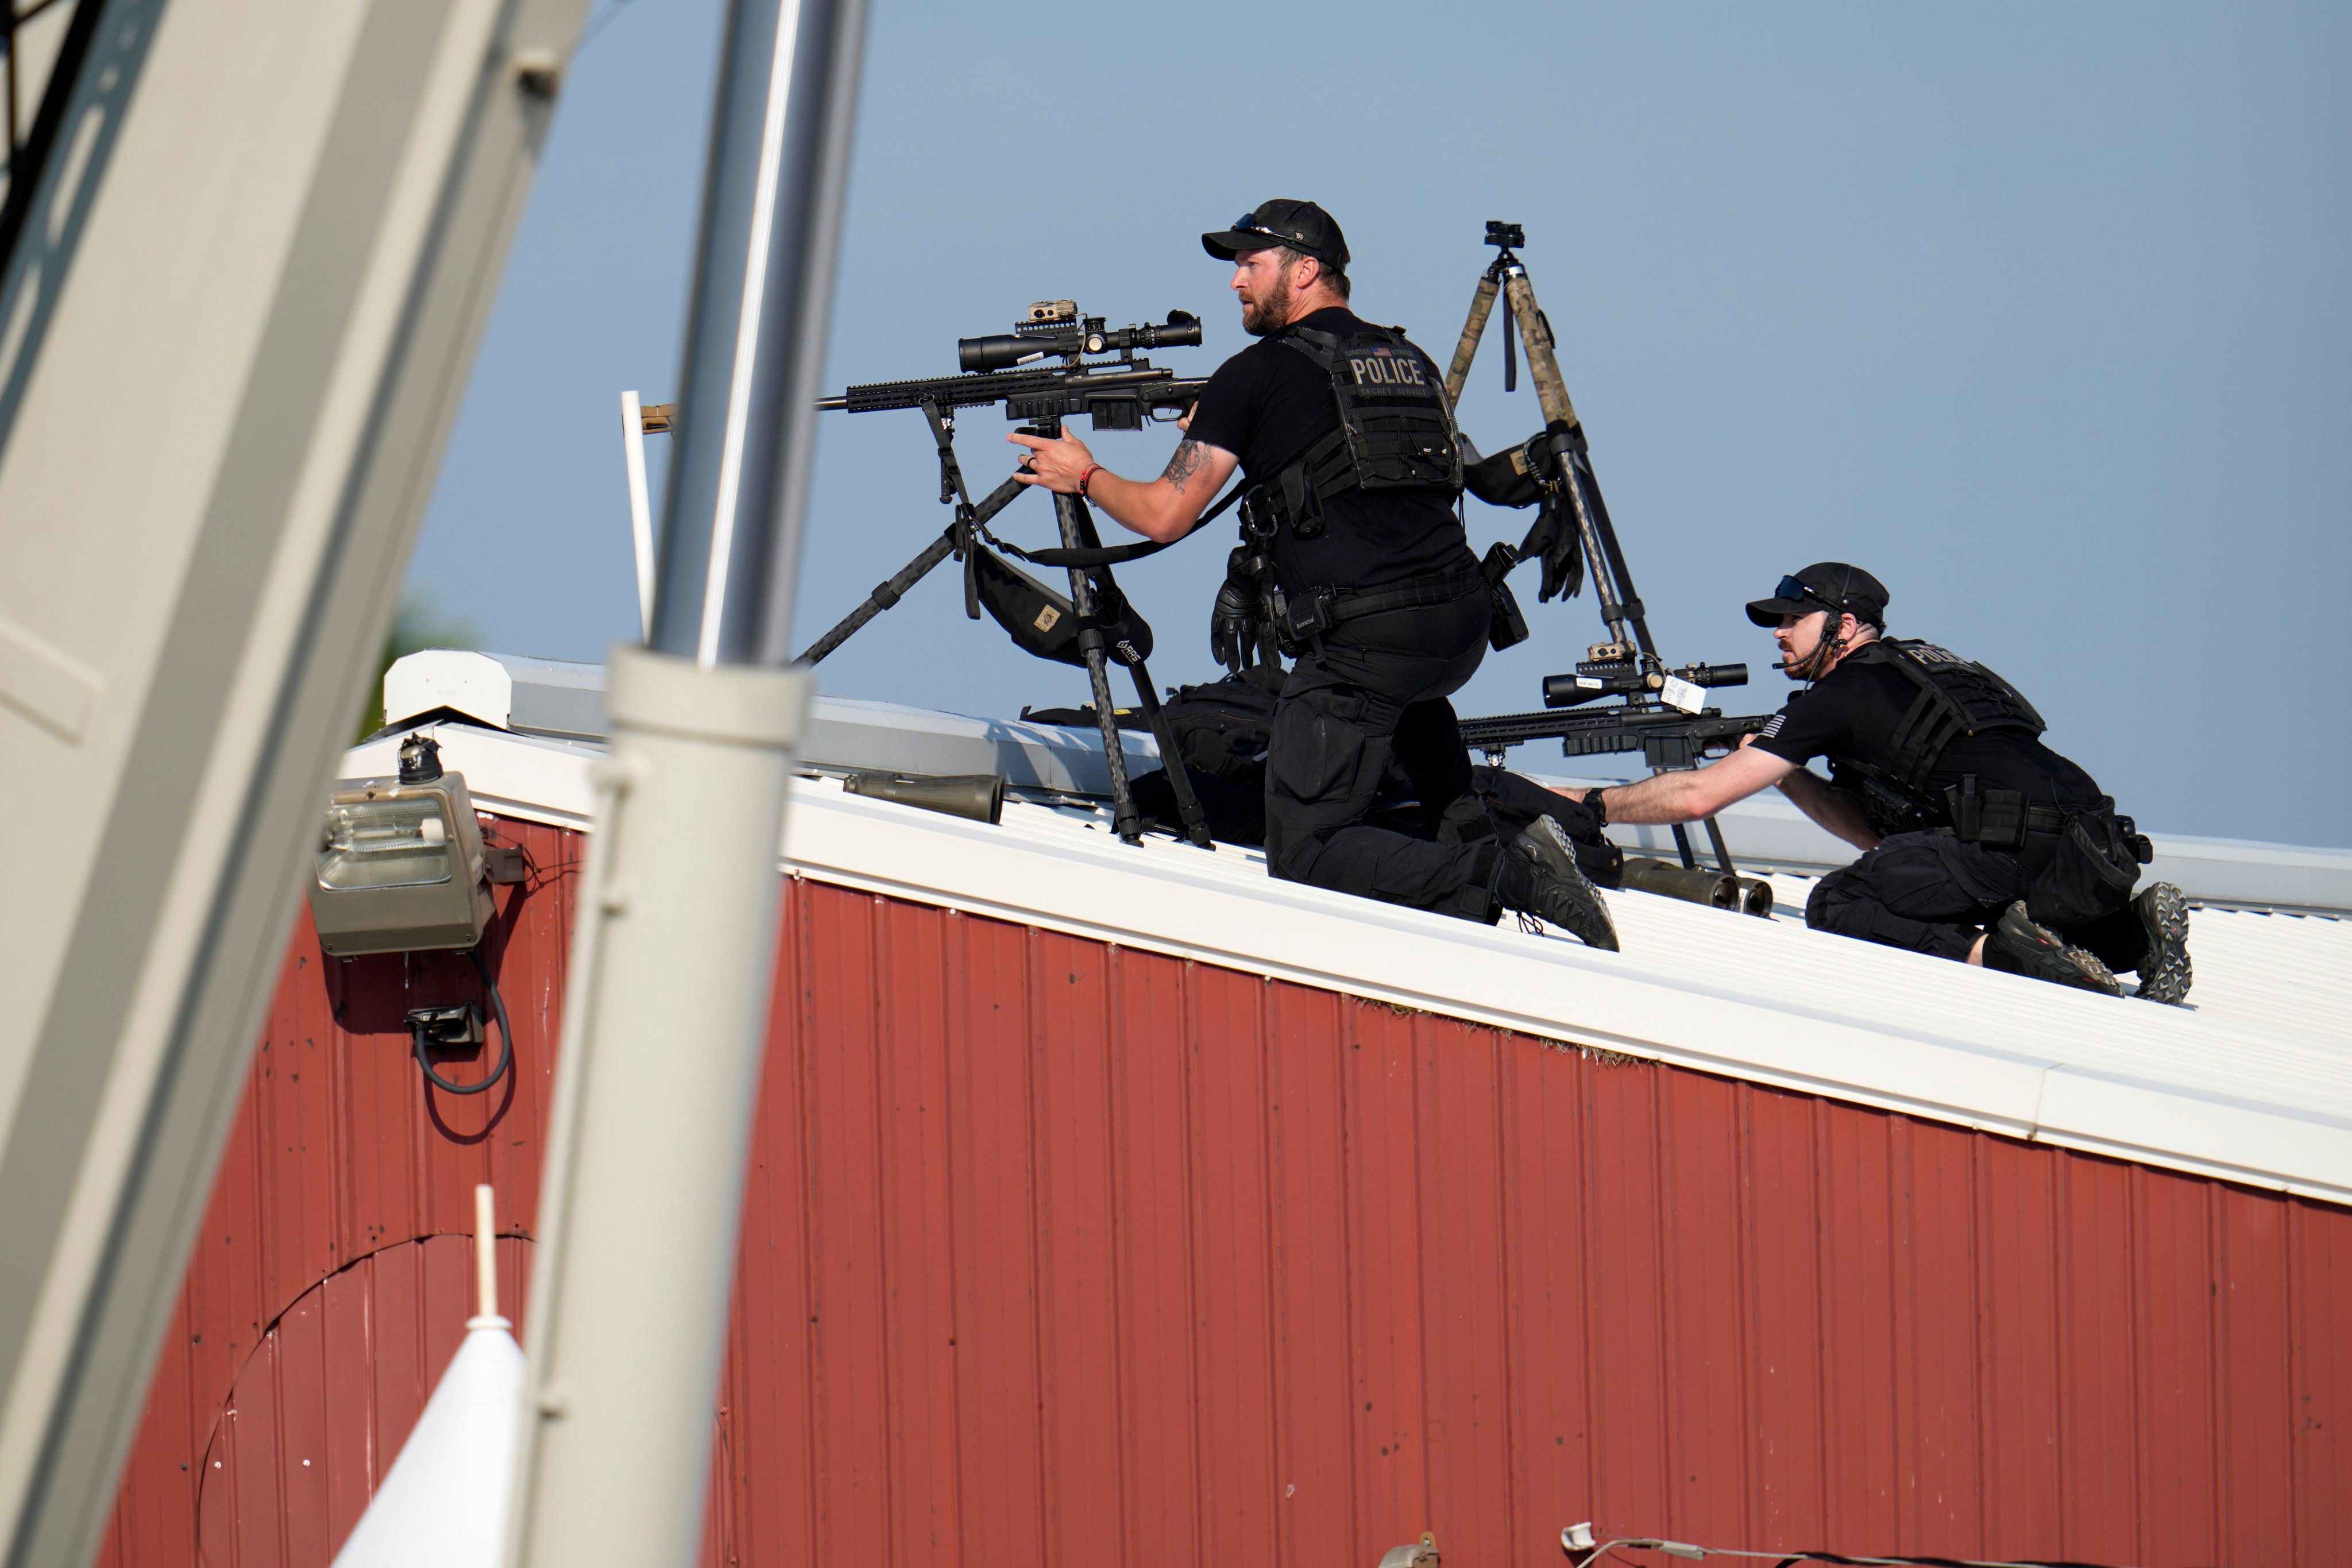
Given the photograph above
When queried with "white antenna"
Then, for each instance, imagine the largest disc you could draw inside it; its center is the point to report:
(641, 511)
(446, 1498)
(486, 1254)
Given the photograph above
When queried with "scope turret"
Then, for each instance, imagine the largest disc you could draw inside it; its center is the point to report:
(1054, 331)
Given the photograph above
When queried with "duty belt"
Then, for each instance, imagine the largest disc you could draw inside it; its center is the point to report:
(1304, 619)
(1997, 818)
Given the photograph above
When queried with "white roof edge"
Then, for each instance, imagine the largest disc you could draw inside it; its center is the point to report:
(552, 698)
(2264, 1099)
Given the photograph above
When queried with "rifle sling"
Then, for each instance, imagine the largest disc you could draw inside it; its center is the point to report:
(1111, 554)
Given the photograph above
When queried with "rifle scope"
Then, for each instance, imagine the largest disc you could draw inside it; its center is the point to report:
(1569, 691)
(1063, 336)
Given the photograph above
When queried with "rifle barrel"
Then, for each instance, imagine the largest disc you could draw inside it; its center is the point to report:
(1612, 730)
(1074, 391)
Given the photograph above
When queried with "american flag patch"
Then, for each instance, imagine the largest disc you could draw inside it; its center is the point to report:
(1771, 727)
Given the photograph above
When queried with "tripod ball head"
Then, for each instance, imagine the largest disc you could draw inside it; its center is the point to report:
(1505, 235)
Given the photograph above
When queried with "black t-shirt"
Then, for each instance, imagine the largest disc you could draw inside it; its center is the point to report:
(1266, 405)
(1853, 711)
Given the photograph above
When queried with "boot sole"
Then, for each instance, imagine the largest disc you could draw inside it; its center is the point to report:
(2167, 974)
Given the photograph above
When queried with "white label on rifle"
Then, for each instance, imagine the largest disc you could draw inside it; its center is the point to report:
(1680, 693)
(1588, 683)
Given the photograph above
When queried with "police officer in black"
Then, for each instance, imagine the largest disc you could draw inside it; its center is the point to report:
(1345, 441)
(1980, 843)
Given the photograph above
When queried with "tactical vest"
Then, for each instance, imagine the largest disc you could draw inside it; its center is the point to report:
(1955, 698)
(1396, 432)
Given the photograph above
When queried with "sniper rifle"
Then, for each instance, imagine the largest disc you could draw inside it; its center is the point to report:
(1666, 737)
(1124, 394)
(1663, 717)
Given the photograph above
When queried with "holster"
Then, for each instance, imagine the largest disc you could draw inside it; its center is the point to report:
(2092, 872)
(1507, 625)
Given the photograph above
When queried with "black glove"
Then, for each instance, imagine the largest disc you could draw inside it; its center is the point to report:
(1237, 625)
(1554, 537)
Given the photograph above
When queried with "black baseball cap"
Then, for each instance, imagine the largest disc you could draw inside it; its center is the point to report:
(1301, 226)
(1830, 585)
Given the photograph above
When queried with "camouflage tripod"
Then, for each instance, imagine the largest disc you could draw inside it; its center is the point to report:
(1565, 466)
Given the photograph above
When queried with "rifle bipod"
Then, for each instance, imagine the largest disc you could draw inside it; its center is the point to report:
(1569, 468)
(962, 539)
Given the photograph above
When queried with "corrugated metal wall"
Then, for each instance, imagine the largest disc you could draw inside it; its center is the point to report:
(337, 1155)
(1062, 1253)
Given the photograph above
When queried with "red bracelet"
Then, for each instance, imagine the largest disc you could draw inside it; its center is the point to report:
(1092, 469)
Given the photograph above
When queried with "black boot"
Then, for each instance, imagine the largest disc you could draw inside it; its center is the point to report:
(2163, 971)
(1537, 875)
(2017, 946)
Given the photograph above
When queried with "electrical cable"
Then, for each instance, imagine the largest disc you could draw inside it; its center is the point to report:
(1787, 1559)
(506, 1038)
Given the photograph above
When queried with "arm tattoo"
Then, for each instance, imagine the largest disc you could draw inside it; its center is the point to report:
(1182, 465)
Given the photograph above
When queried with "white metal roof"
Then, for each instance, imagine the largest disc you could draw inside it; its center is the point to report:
(553, 700)
(2253, 1084)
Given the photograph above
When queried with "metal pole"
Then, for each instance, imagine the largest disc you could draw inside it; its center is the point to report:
(666, 1003)
(755, 342)
(641, 511)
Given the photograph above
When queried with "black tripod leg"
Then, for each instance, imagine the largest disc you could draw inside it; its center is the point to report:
(1629, 600)
(882, 598)
(1125, 818)
(1722, 850)
(1188, 809)
(914, 572)
(1682, 846)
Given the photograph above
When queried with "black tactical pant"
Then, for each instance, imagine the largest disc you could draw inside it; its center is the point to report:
(1931, 892)
(1376, 691)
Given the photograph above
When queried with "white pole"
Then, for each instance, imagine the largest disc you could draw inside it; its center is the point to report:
(674, 946)
(641, 511)
(665, 1028)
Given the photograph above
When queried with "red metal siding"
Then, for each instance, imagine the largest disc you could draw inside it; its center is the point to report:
(336, 1154)
(318, 1415)
(1055, 1251)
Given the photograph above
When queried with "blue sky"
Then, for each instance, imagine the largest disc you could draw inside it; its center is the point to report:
(2038, 313)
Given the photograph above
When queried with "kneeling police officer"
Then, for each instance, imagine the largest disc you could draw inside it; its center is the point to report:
(1346, 440)
(1981, 843)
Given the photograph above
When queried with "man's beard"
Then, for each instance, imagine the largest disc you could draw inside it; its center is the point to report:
(1272, 311)
(1807, 668)
(1815, 663)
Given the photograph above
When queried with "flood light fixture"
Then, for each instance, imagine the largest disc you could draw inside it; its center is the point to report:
(400, 865)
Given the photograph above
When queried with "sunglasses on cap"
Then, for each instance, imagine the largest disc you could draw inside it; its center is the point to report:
(1248, 224)
(1790, 588)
